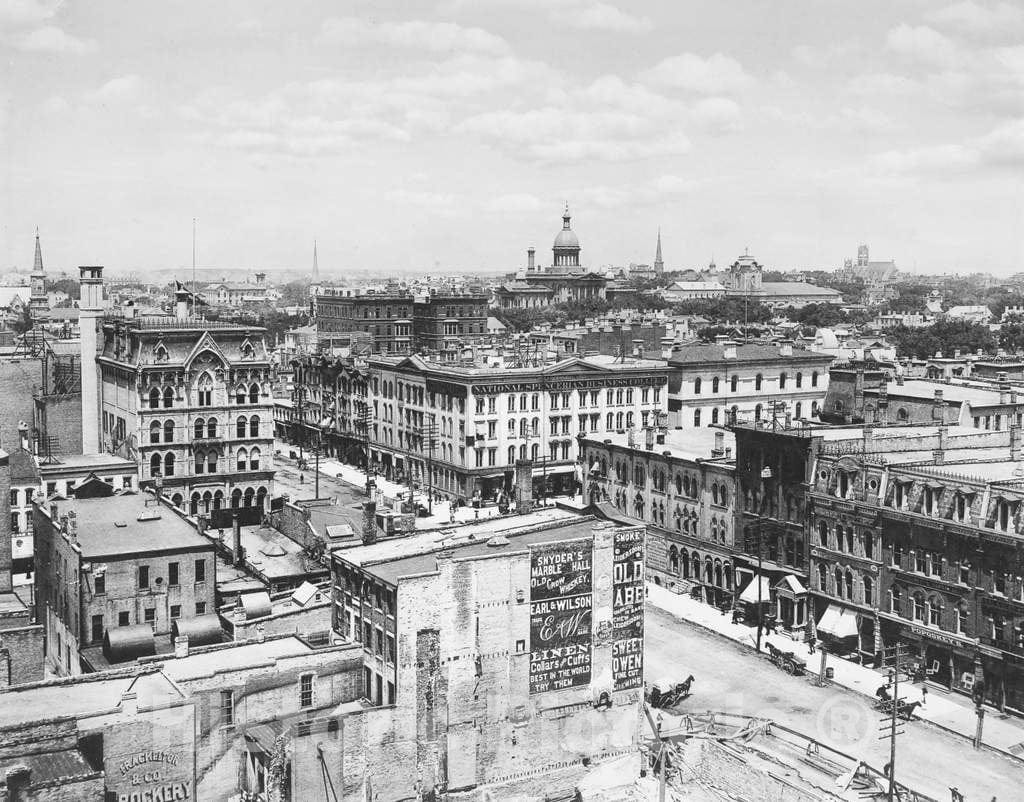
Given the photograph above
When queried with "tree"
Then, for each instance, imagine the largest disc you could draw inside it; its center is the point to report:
(946, 336)
(23, 322)
(725, 310)
(68, 285)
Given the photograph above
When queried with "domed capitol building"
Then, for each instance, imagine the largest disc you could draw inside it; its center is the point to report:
(563, 281)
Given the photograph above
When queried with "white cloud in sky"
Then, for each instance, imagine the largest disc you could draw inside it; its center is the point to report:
(923, 44)
(979, 19)
(438, 37)
(514, 203)
(606, 17)
(50, 39)
(715, 75)
(117, 90)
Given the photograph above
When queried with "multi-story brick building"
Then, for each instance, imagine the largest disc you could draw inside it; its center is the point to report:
(723, 381)
(329, 406)
(917, 537)
(681, 485)
(190, 399)
(485, 415)
(493, 652)
(106, 561)
(400, 323)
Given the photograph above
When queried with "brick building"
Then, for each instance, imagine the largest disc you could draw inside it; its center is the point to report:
(329, 406)
(189, 399)
(494, 411)
(681, 485)
(109, 560)
(521, 652)
(916, 536)
(400, 323)
(717, 382)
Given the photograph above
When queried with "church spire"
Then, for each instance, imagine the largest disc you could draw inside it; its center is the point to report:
(37, 266)
(316, 267)
(659, 264)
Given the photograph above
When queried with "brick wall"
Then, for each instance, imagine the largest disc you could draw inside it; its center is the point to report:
(59, 418)
(20, 379)
(24, 654)
(300, 621)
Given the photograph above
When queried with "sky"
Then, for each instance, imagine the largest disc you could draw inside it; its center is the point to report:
(407, 135)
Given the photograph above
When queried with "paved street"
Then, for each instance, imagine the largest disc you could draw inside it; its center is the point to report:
(730, 677)
(349, 498)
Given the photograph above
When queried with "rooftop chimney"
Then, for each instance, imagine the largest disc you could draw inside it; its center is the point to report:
(73, 526)
(938, 407)
(181, 646)
(729, 349)
(181, 304)
(530, 259)
(23, 435)
(638, 349)
(719, 449)
(1015, 442)
(786, 348)
(90, 310)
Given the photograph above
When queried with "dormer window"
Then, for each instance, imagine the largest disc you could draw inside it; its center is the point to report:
(929, 500)
(961, 507)
(248, 352)
(160, 353)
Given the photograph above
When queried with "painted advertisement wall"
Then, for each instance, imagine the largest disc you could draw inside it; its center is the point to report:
(561, 607)
(628, 609)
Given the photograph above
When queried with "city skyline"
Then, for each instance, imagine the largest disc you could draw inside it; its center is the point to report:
(446, 136)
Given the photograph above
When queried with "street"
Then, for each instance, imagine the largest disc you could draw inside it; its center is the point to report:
(350, 499)
(729, 677)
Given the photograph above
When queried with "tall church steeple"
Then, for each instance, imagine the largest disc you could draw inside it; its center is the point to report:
(316, 267)
(659, 264)
(38, 301)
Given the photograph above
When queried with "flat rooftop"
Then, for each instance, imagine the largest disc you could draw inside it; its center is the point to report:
(231, 657)
(65, 462)
(438, 539)
(922, 389)
(111, 526)
(391, 571)
(691, 444)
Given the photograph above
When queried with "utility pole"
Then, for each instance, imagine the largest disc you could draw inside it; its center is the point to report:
(363, 419)
(319, 444)
(428, 435)
(891, 722)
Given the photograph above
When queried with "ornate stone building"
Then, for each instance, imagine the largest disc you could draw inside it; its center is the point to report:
(191, 400)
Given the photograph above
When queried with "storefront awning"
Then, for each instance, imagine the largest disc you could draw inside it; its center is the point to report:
(750, 592)
(789, 585)
(326, 423)
(553, 469)
(838, 622)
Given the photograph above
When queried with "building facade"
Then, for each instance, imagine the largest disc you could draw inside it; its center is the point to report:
(725, 381)
(191, 400)
(462, 427)
(106, 562)
(681, 485)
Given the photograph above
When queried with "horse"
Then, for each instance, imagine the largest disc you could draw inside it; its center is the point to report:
(684, 686)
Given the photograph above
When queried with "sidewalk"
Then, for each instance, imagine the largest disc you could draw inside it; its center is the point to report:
(1004, 735)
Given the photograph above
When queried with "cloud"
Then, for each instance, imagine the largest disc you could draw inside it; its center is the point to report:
(605, 17)
(50, 39)
(883, 83)
(717, 114)
(1004, 145)
(116, 90)
(623, 196)
(25, 13)
(819, 56)
(514, 203)
(55, 105)
(1000, 149)
(977, 19)
(437, 37)
(922, 44)
(716, 75)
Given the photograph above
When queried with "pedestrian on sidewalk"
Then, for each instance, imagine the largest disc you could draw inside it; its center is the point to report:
(810, 645)
(924, 695)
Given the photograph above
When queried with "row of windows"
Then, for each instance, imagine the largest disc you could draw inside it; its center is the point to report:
(203, 428)
(124, 619)
(698, 383)
(164, 399)
(723, 415)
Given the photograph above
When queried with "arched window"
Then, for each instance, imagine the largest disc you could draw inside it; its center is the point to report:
(254, 426)
(727, 572)
(684, 563)
(895, 605)
(211, 427)
(695, 565)
(838, 576)
(822, 578)
(240, 459)
(154, 465)
(679, 484)
(714, 416)
(934, 611)
(535, 427)
(902, 415)
(193, 506)
(512, 424)
(207, 501)
(919, 609)
(240, 394)
(168, 397)
(782, 381)
(204, 391)
(535, 452)
(758, 381)
(211, 461)
(849, 584)
(734, 382)
(673, 560)
(254, 393)
(254, 459)
(714, 492)
(869, 591)
(511, 455)
(814, 379)
(198, 428)
(714, 385)
(610, 422)
(154, 432)
(169, 431)
(696, 417)
(618, 420)
(522, 451)
(154, 398)
(708, 570)
(823, 533)
(757, 412)
(218, 499)
(177, 500)
(696, 386)
(236, 497)
(629, 420)
(261, 498)
(169, 464)
(799, 379)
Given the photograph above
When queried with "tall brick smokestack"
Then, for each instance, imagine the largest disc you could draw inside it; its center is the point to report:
(90, 310)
